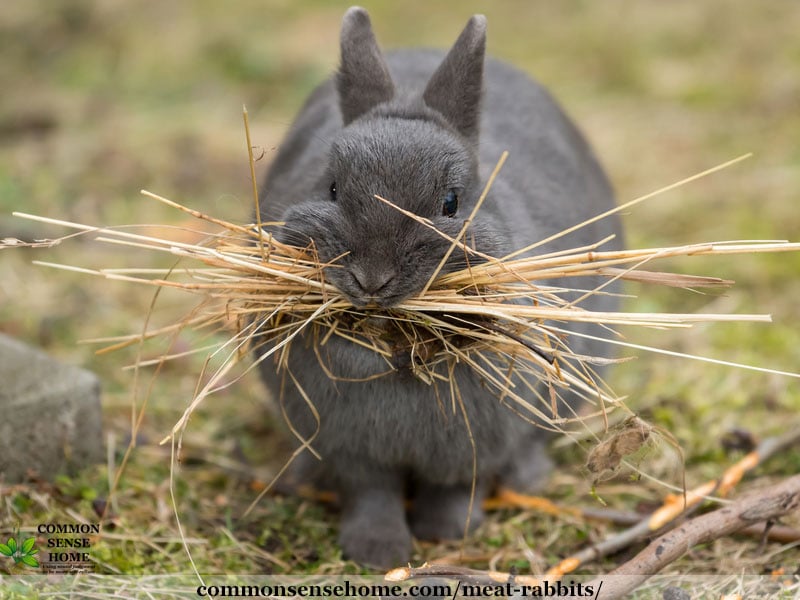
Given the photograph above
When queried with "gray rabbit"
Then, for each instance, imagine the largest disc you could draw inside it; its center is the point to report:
(423, 129)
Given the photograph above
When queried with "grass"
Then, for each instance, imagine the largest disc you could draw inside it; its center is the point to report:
(109, 101)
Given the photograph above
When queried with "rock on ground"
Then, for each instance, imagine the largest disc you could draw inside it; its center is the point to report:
(50, 417)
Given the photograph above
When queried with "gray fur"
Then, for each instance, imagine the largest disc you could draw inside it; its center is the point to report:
(406, 128)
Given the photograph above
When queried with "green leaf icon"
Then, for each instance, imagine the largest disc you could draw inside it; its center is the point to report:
(30, 561)
(21, 553)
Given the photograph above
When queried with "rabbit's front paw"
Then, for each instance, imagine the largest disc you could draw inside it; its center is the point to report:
(378, 544)
(374, 530)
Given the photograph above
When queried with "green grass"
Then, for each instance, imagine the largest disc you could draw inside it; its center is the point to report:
(111, 98)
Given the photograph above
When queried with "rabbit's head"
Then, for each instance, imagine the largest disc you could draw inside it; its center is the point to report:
(419, 151)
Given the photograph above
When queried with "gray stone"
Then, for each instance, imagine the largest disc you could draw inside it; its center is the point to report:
(50, 418)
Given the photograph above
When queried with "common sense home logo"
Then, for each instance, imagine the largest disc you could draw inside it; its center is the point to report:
(66, 547)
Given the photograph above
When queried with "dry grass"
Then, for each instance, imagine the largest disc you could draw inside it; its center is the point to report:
(499, 315)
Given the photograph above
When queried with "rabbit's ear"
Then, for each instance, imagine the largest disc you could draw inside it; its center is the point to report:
(455, 88)
(363, 80)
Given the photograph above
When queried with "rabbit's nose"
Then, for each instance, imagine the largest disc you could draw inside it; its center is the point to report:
(372, 282)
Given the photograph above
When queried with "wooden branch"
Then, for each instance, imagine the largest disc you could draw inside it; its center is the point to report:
(463, 574)
(774, 533)
(675, 506)
(756, 507)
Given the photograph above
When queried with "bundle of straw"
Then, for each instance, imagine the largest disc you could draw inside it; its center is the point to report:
(499, 316)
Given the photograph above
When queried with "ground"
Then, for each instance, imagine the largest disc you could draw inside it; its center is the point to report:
(103, 98)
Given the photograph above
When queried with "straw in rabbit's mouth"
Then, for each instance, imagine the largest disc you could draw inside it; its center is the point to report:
(498, 317)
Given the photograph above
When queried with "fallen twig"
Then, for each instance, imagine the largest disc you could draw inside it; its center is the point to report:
(463, 574)
(674, 506)
(762, 505)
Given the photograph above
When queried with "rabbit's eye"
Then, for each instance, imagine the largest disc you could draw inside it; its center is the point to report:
(450, 204)
(333, 191)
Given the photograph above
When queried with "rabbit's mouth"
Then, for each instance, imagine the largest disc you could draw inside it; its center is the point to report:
(375, 302)
(370, 289)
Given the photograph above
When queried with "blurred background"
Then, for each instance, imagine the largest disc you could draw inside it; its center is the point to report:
(101, 98)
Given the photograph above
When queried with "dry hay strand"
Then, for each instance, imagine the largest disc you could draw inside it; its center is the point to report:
(498, 316)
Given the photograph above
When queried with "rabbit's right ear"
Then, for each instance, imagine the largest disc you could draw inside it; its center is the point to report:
(363, 80)
(455, 89)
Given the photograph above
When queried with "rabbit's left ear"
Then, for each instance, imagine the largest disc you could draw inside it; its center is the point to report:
(455, 88)
(363, 80)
